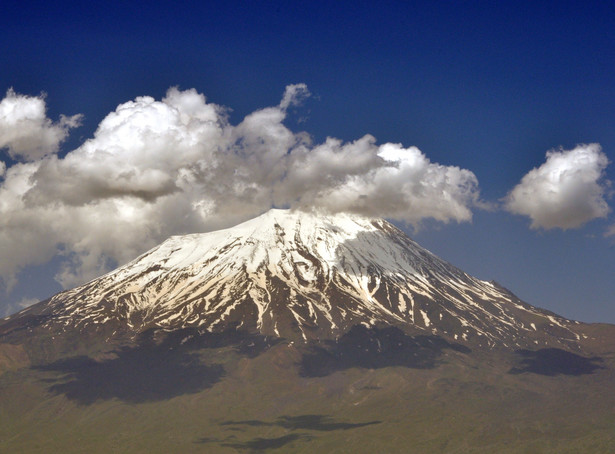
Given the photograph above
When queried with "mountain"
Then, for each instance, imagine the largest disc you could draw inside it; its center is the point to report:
(303, 276)
(298, 332)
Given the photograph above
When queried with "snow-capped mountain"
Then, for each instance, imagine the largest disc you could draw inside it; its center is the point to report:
(303, 276)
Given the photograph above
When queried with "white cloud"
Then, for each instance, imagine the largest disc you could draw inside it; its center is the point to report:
(294, 95)
(25, 129)
(174, 166)
(565, 192)
(385, 181)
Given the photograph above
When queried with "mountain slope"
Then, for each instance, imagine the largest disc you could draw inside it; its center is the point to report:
(300, 333)
(303, 276)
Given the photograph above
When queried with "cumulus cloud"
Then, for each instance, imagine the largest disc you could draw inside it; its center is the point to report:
(565, 192)
(156, 168)
(25, 129)
(384, 181)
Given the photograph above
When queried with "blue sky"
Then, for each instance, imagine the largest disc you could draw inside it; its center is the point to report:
(473, 85)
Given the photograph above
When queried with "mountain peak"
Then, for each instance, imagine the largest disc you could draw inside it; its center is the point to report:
(303, 276)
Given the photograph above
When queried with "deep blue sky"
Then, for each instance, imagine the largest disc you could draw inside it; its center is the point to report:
(479, 85)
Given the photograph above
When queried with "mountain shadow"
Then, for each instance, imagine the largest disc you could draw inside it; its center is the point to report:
(374, 348)
(554, 361)
(153, 370)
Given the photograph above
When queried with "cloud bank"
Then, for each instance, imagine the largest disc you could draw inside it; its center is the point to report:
(158, 168)
(565, 192)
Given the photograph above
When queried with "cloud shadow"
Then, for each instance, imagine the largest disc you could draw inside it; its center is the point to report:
(320, 423)
(151, 371)
(555, 361)
(374, 348)
(305, 422)
(135, 375)
(257, 444)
